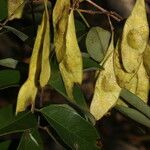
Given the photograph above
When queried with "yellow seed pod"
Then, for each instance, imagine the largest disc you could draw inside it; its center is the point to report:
(106, 89)
(146, 59)
(135, 37)
(28, 90)
(143, 84)
(15, 8)
(60, 21)
(45, 63)
(71, 65)
(123, 78)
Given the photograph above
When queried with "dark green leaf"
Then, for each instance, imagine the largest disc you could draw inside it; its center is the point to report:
(76, 132)
(135, 101)
(6, 115)
(134, 115)
(9, 78)
(18, 33)
(4, 145)
(3, 9)
(79, 97)
(31, 140)
(89, 63)
(18, 123)
(56, 81)
(97, 42)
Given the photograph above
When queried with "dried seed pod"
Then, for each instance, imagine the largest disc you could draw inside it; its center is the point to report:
(71, 65)
(60, 21)
(106, 89)
(135, 37)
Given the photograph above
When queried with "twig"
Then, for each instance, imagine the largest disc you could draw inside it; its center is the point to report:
(90, 11)
(112, 14)
(83, 18)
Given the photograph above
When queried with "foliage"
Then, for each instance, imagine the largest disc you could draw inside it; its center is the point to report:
(59, 61)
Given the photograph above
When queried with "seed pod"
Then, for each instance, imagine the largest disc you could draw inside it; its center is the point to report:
(45, 64)
(28, 90)
(60, 21)
(71, 65)
(106, 89)
(134, 38)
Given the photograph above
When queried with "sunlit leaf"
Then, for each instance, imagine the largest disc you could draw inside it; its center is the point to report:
(106, 89)
(135, 37)
(71, 65)
(77, 133)
(60, 22)
(9, 62)
(97, 42)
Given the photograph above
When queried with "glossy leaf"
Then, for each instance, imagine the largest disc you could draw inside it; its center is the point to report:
(135, 37)
(97, 42)
(135, 101)
(106, 89)
(77, 133)
(31, 140)
(9, 78)
(134, 115)
(71, 65)
(18, 123)
(60, 23)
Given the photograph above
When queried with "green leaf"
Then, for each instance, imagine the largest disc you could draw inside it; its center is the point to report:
(89, 64)
(31, 140)
(134, 115)
(5, 145)
(76, 132)
(135, 101)
(18, 33)
(9, 62)
(56, 81)
(9, 78)
(97, 42)
(18, 123)
(3, 9)
(79, 97)
(6, 111)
